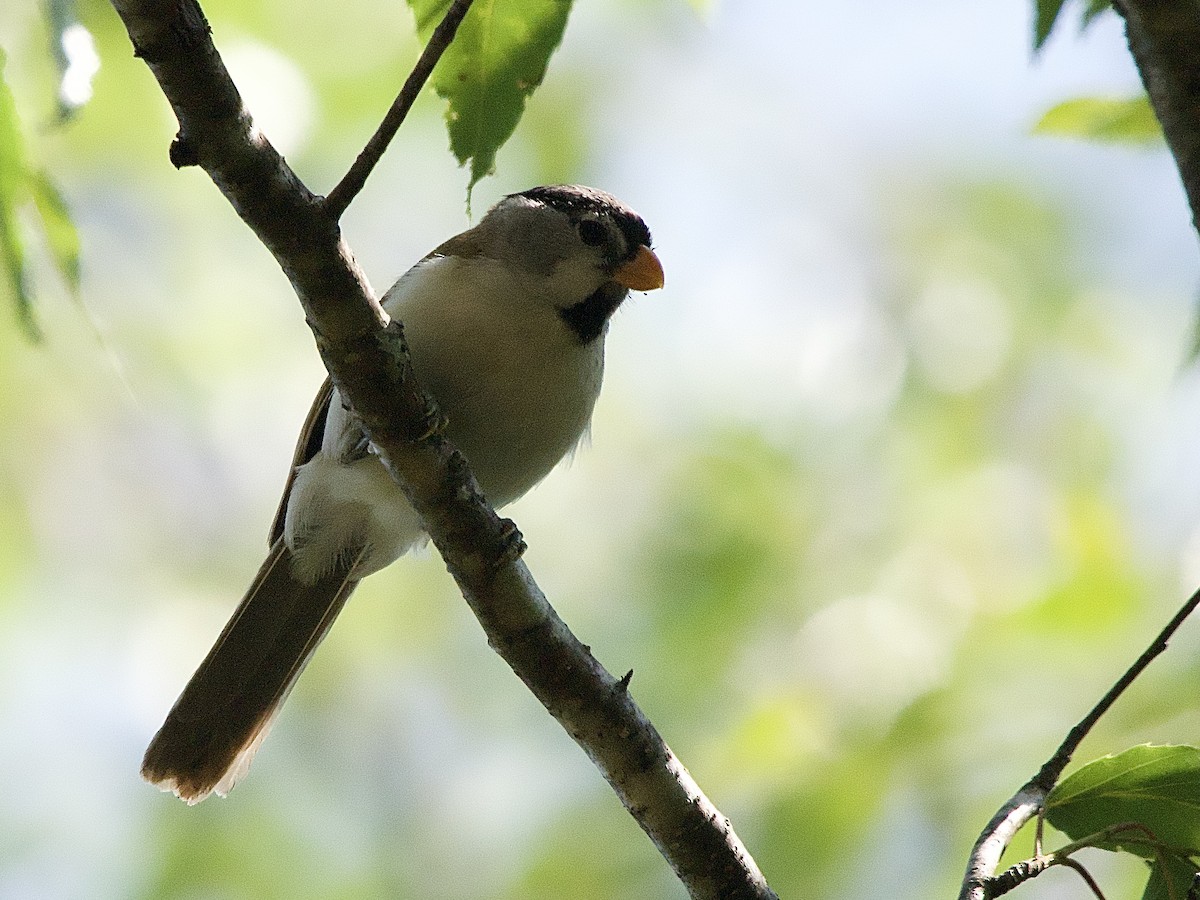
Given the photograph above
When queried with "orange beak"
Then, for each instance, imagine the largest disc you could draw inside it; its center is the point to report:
(642, 273)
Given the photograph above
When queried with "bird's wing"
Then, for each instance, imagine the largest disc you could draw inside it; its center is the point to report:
(307, 445)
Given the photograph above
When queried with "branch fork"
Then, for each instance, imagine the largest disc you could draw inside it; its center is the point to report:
(365, 355)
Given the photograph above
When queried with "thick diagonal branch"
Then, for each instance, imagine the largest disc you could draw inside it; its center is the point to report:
(1164, 37)
(367, 360)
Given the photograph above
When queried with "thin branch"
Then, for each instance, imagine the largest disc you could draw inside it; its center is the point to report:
(347, 189)
(1163, 36)
(1027, 869)
(365, 355)
(995, 838)
(1085, 875)
(1031, 798)
(1015, 876)
(1049, 774)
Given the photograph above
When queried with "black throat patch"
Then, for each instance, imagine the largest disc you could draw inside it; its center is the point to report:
(589, 317)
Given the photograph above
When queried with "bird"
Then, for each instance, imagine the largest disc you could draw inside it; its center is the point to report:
(505, 325)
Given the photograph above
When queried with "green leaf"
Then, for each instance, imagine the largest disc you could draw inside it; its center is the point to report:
(20, 184)
(1158, 787)
(13, 192)
(1046, 15)
(1106, 119)
(61, 235)
(1170, 878)
(1048, 11)
(497, 59)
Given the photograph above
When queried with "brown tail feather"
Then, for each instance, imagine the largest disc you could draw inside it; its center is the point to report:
(221, 717)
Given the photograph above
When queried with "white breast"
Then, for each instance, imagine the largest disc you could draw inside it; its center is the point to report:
(514, 382)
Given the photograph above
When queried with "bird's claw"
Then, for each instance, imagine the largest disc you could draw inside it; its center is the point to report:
(435, 423)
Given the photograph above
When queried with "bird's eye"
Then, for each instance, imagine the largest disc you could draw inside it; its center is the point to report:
(592, 232)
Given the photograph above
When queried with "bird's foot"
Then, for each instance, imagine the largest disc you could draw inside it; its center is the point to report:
(435, 423)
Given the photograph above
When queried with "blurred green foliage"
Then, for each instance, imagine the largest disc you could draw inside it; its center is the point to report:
(26, 187)
(1046, 15)
(1111, 120)
(862, 622)
(498, 58)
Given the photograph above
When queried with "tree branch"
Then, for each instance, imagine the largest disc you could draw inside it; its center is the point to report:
(366, 357)
(1030, 800)
(1163, 36)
